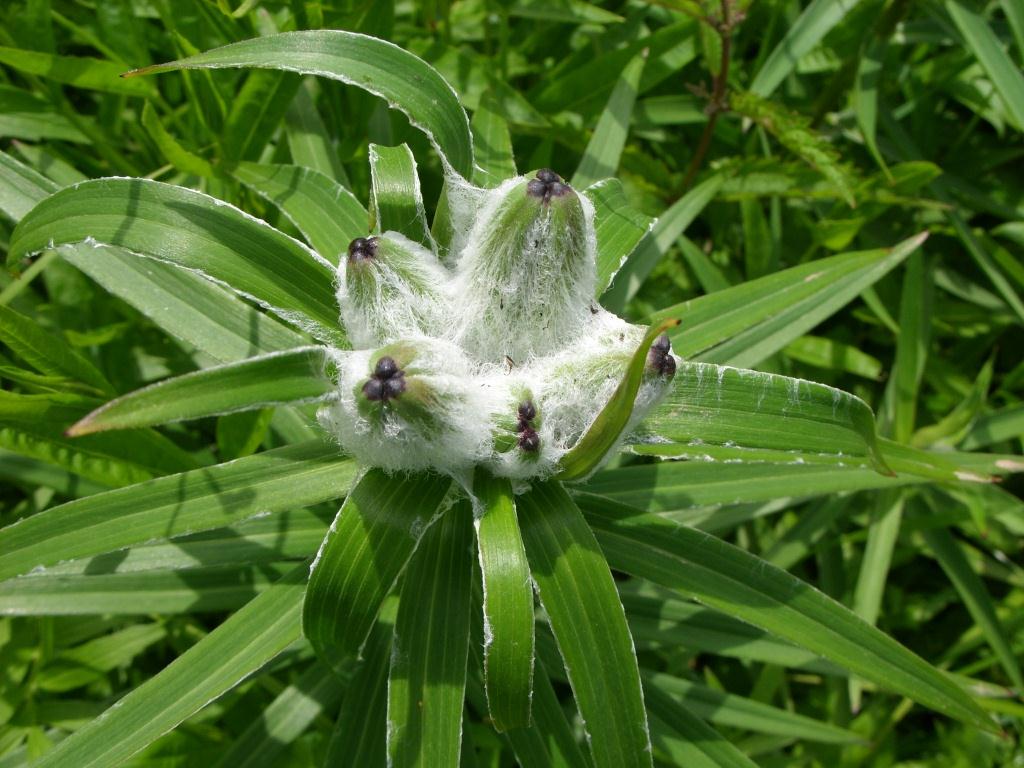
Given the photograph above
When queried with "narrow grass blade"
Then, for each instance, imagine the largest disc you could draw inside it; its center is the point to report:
(396, 202)
(48, 353)
(77, 71)
(718, 575)
(255, 112)
(494, 159)
(309, 142)
(405, 81)
(583, 608)
(689, 740)
(327, 214)
(370, 541)
(669, 226)
(285, 478)
(264, 742)
(975, 596)
(300, 375)
(743, 325)
(982, 42)
(601, 158)
(811, 26)
(606, 429)
(21, 187)
(508, 605)
(216, 664)
(619, 227)
(427, 681)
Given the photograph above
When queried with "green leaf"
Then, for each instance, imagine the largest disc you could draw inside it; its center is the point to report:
(604, 432)
(193, 231)
(200, 590)
(171, 149)
(405, 81)
(494, 159)
(256, 111)
(285, 478)
(689, 740)
(216, 664)
(48, 353)
(77, 71)
(187, 306)
(996, 427)
(395, 199)
(743, 325)
(21, 187)
(24, 115)
(370, 541)
(669, 226)
(726, 709)
(264, 742)
(982, 42)
(300, 375)
(327, 214)
(811, 26)
(718, 575)
(601, 157)
(976, 598)
(583, 608)
(619, 227)
(427, 681)
(508, 605)
(308, 141)
(712, 405)
(34, 425)
(360, 732)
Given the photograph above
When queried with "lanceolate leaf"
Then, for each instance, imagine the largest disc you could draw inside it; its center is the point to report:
(742, 325)
(718, 574)
(711, 405)
(619, 228)
(371, 540)
(207, 498)
(193, 231)
(508, 605)
(396, 202)
(607, 427)
(404, 80)
(583, 608)
(227, 656)
(327, 214)
(278, 378)
(427, 680)
(494, 160)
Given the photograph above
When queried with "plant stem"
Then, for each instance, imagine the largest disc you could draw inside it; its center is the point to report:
(717, 103)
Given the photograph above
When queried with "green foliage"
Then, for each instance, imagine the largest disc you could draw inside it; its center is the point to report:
(810, 564)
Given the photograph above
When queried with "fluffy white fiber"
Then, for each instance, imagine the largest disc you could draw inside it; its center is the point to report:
(480, 341)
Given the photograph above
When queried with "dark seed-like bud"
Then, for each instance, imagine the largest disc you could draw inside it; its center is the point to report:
(527, 412)
(374, 390)
(393, 387)
(558, 189)
(662, 343)
(668, 366)
(547, 175)
(529, 441)
(361, 249)
(386, 368)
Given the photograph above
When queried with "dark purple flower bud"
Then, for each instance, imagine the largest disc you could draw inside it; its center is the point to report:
(529, 440)
(536, 188)
(393, 387)
(373, 389)
(547, 175)
(361, 249)
(386, 368)
(662, 343)
(527, 412)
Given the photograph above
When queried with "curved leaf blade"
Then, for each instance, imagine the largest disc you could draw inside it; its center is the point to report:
(285, 478)
(396, 202)
(405, 81)
(718, 575)
(366, 549)
(194, 231)
(508, 605)
(589, 624)
(278, 378)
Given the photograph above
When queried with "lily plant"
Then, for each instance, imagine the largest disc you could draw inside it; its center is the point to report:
(469, 383)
